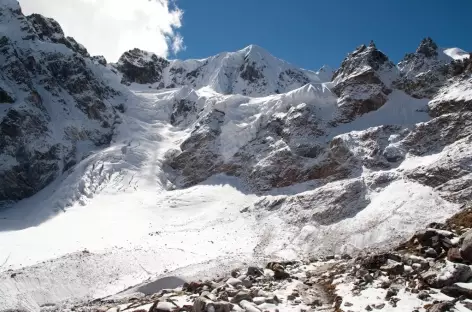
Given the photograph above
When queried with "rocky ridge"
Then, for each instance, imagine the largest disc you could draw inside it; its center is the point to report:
(303, 135)
(426, 70)
(55, 103)
(251, 71)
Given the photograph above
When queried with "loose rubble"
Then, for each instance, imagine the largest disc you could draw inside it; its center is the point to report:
(410, 278)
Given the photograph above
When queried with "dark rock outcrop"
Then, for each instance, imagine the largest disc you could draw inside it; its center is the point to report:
(49, 30)
(362, 83)
(99, 59)
(57, 100)
(141, 67)
(199, 158)
(424, 72)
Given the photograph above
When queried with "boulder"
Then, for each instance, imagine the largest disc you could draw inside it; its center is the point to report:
(393, 267)
(466, 247)
(457, 291)
(248, 306)
(220, 306)
(374, 262)
(440, 276)
(162, 306)
(234, 282)
(199, 305)
(240, 296)
(441, 307)
(254, 271)
(454, 255)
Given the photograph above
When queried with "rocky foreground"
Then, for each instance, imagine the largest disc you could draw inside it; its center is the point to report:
(429, 272)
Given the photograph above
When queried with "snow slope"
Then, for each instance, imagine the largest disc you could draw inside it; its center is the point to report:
(116, 204)
(456, 53)
(250, 71)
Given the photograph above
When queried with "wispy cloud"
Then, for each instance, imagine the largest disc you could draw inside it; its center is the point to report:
(177, 43)
(110, 27)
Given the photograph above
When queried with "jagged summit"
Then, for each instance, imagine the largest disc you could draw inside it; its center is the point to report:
(426, 70)
(55, 106)
(362, 60)
(363, 82)
(428, 47)
(49, 30)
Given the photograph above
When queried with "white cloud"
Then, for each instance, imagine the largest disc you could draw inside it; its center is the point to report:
(178, 44)
(110, 27)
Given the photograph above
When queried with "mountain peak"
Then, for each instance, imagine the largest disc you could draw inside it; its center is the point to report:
(254, 48)
(360, 59)
(255, 52)
(428, 47)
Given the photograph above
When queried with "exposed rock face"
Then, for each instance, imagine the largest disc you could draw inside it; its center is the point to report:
(428, 48)
(424, 71)
(454, 97)
(198, 159)
(49, 30)
(295, 143)
(184, 108)
(99, 59)
(346, 199)
(141, 67)
(56, 100)
(362, 83)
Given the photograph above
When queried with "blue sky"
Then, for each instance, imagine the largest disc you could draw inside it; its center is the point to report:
(310, 33)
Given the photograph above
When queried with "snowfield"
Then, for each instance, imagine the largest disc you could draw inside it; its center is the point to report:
(112, 222)
(115, 205)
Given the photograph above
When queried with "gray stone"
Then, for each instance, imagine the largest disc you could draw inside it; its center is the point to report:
(441, 307)
(466, 248)
(457, 291)
(208, 295)
(248, 306)
(393, 267)
(254, 271)
(199, 305)
(246, 282)
(241, 295)
(259, 300)
(234, 282)
(162, 306)
(423, 295)
(219, 306)
(447, 275)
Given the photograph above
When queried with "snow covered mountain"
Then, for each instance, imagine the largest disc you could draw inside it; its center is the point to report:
(251, 71)
(427, 69)
(56, 105)
(156, 166)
